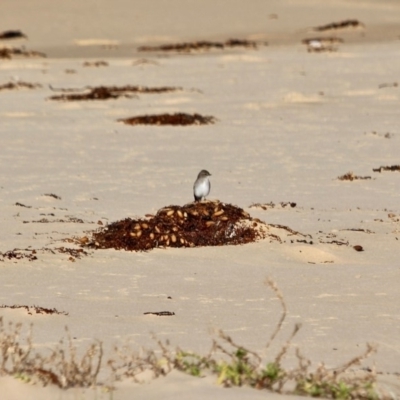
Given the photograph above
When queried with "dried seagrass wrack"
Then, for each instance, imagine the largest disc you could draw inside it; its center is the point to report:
(209, 223)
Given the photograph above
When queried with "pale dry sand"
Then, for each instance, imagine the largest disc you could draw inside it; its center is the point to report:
(289, 123)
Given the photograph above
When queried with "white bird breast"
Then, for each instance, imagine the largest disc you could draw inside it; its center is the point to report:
(202, 189)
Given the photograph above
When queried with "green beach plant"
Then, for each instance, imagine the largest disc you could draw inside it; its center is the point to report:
(232, 364)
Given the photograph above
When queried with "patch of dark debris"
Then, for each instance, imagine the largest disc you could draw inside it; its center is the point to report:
(337, 242)
(32, 254)
(160, 313)
(11, 52)
(394, 217)
(303, 241)
(12, 34)
(332, 238)
(54, 196)
(345, 24)
(74, 253)
(204, 45)
(266, 206)
(386, 135)
(290, 230)
(19, 254)
(68, 220)
(110, 92)
(358, 230)
(35, 309)
(387, 168)
(95, 64)
(350, 176)
(209, 223)
(19, 85)
(22, 205)
(169, 119)
(386, 85)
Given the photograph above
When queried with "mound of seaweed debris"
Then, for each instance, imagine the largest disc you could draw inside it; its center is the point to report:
(208, 223)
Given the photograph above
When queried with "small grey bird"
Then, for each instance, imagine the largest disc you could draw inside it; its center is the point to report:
(202, 186)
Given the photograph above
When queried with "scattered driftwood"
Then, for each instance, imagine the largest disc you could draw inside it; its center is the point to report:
(387, 168)
(36, 309)
(169, 119)
(109, 92)
(266, 206)
(348, 23)
(351, 177)
(203, 45)
(208, 223)
(317, 45)
(11, 34)
(10, 52)
(19, 84)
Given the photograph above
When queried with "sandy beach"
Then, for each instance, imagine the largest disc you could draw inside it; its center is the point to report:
(305, 138)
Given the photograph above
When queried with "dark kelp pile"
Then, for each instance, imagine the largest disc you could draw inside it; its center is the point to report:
(19, 85)
(11, 52)
(203, 45)
(169, 119)
(387, 168)
(109, 92)
(18, 254)
(35, 309)
(208, 223)
(12, 34)
(350, 176)
(348, 23)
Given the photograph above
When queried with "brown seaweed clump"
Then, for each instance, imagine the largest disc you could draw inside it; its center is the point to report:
(387, 168)
(209, 223)
(35, 309)
(203, 45)
(12, 34)
(348, 23)
(110, 92)
(11, 52)
(350, 176)
(19, 84)
(169, 119)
